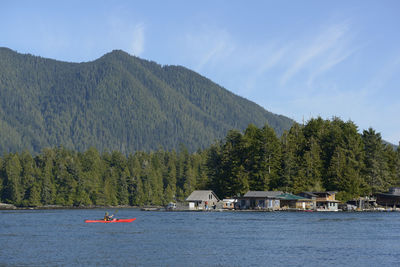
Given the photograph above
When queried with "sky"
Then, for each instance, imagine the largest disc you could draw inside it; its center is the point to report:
(301, 59)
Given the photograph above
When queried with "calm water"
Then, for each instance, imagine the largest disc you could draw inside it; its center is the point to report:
(61, 238)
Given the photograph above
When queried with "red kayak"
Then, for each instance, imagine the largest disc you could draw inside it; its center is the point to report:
(112, 221)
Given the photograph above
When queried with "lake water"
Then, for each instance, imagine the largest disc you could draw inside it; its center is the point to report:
(61, 238)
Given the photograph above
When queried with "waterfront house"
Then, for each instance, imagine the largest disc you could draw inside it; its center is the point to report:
(290, 201)
(389, 199)
(229, 203)
(361, 203)
(326, 201)
(202, 200)
(266, 200)
(312, 196)
(322, 201)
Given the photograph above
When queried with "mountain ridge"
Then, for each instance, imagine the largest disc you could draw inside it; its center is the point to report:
(116, 102)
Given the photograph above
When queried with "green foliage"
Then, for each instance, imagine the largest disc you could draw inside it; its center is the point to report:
(63, 177)
(377, 171)
(12, 192)
(321, 155)
(117, 102)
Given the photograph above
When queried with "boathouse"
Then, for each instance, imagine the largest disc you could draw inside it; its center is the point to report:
(312, 196)
(229, 203)
(389, 199)
(261, 200)
(322, 201)
(290, 201)
(202, 200)
(326, 201)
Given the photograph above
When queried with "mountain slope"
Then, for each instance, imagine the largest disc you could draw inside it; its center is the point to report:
(117, 102)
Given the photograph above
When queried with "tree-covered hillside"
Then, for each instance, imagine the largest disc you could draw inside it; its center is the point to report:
(117, 102)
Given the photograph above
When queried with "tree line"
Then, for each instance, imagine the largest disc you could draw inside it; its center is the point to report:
(321, 155)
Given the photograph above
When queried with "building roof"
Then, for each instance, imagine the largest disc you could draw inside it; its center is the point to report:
(324, 193)
(229, 200)
(201, 195)
(307, 193)
(263, 194)
(328, 201)
(287, 196)
(394, 191)
(388, 195)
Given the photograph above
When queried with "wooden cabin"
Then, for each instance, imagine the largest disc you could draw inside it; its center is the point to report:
(229, 203)
(326, 201)
(290, 201)
(322, 201)
(260, 200)
(202, 200)
(389, 199)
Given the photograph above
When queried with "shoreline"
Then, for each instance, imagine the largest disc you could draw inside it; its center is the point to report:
(5, 206)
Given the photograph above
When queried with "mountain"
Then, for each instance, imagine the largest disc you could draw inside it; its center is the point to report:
(117, 102)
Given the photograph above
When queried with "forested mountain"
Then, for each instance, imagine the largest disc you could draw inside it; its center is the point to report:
(117, 102)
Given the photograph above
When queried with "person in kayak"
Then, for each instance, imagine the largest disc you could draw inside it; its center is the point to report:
(108, 217)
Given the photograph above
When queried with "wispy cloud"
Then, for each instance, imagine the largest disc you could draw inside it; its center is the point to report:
(138, 40)
(385, 73)
(127, 35)
(327, 49)
(208, 47)
(261, 60)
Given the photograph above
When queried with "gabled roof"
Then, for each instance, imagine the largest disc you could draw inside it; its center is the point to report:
(201, 195)
(263, 194)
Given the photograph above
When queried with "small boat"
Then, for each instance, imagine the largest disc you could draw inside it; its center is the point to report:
(171, 206)
(111, 221)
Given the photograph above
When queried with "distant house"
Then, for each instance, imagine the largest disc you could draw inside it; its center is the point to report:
(361, 203)
(290, 201)
(326, 201)
(202, 200)
(312, 196)
(322, 201)
(229, 203)
(389, 199)
(267, 200)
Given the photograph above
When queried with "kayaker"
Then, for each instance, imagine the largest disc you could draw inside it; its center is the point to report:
(108, 217)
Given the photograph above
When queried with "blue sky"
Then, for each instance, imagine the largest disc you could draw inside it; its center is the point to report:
(301, 59)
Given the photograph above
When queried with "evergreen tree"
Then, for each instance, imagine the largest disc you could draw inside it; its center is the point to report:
(312, 166)
(169, 178)
(28, 173)
(45, 163)
(135, 185)
(12, 192)
(33, 196)
(293, 146)
(91, 176)
(376, 169)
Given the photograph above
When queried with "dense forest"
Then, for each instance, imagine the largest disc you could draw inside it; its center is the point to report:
(117, 102)
(321, 155)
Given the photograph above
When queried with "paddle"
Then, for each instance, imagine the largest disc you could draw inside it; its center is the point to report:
(114, 214)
